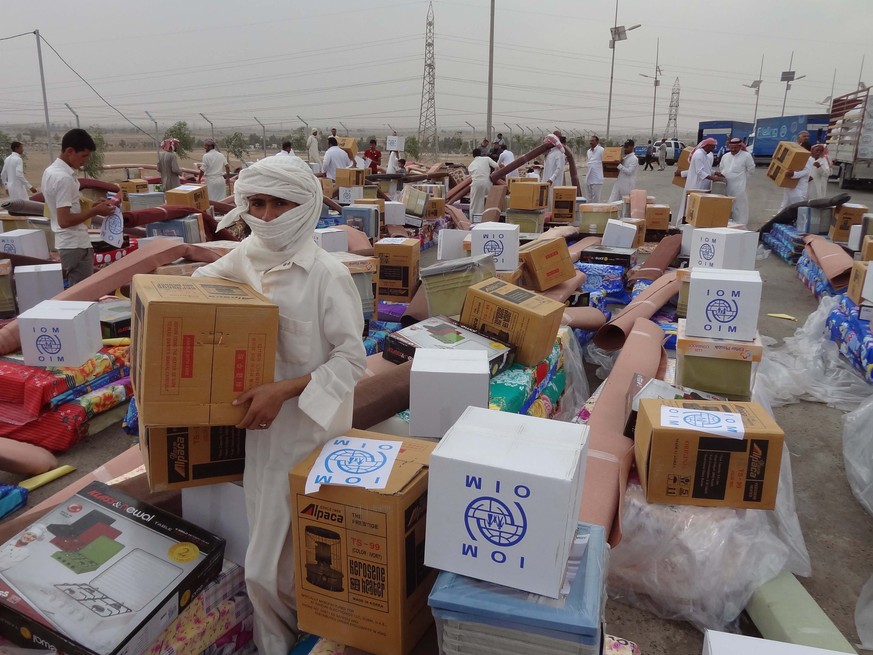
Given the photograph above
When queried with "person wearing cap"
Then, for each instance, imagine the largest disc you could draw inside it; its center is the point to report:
(319, 358)
(736, 166)
(214, 170)
(15, 551)
(168, 164)
(699, 176)
(312, 148)
(553, 164)
(627, 173)
(594, 175)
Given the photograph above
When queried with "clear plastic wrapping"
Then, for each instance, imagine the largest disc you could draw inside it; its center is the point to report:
(576, 391)
(605, 359)
(858, 454)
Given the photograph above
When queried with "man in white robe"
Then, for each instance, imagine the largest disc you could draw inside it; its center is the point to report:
(594, 176)
(699, 174)
(821, 170)
(736, 166)
(627, 173)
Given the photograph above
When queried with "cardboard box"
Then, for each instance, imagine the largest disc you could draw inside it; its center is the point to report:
(349, 144)
(189, 195)
(657, 217)
(500, 240)
(619, 234)
(115, 317)
(395, 213)
(441, 332)
(783, 177)
(398, 268)
(395, 142)
(723, 643)
(30, 243)
(415, 200)
(855, 238)
(790, 155)
(514, 315)
(530, 196)
(677, 179)
(378, 202)
(60, 333)
(358, 263)
(640, 236)
(348, 177)
(860, 283)
(7, 297)
(221, 509)
(512, 181)
(613, 155)
(720, 366)
(33, 284)
(547, 263)
(724, 304)
(327, 187)
(563, 204)
(362, 217)
(529, 221)
(192, 455)
(708, 209)
(347, 195)
(331, 239)
(593, 217)
(442, 384)
(146, 200)
(190, 228)
(505, 491)
(723, 247)
(867, 249)
(626, 257)
(436, 208)
(358, 554)
(198, 343)
(684, 161)
(127, 187)
(844, 217)
(689, 453)
(107, 575)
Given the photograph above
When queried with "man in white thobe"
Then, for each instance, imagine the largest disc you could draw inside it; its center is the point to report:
(335, 158)
(800, 193)
(312, 148)
(699, 174)
(736, 166)
(594, 176)
(215, 170)
(12, 176)
(553, 168)
(286, 150)
(505, 159)
(627, 173)
(662, 154)
(821, 170)
(480, 170)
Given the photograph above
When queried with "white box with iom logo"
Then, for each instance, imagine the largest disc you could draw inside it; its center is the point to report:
(723, 247)
(723, 304)
(60, 333)
(503, 499)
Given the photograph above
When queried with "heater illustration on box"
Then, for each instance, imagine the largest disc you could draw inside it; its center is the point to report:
(322, 550)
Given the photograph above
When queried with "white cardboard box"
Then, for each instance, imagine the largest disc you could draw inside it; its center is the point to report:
(503, 499)
(723, 643)
(500, 240)
(856, 235)
(619, 234)
(60, 333)
(723, 304)
(348, 194)
(395, 213)
(443, 383)
(687, 235)
(397, 143)
(220, 509)
(450, 244)
(33, 284)
(331, 239)
(30, 243)
(722, 247)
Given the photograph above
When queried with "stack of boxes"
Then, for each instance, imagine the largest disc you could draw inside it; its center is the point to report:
(351, 185)
(788, 158)
(398, 268)
(528, 202)
(128, 187)
(365, 275)
(682, 164)
(845, 217)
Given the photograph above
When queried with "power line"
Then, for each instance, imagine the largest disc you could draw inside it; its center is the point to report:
(15, 36)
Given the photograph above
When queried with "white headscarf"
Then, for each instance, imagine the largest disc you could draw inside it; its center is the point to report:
(275, 242)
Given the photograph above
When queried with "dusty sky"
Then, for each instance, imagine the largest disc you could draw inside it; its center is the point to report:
(361, 63)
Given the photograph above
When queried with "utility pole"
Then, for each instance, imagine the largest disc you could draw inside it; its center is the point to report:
(210, 125)
(303, 121)
(74, 113)
(489, 127)
(264, 134)
(157, 138)
(509, 127)
(344, 127)
(617, 33)
(427, 123)
(48, 129)
(788, 77)
(657, 84)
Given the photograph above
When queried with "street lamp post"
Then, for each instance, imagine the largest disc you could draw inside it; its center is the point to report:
(756, 84)
(509, 127)
(263, 134)
(473, 129)
(656, 85)
(788, 77)
(344, 127)
(73, 112)
(211, 126)
(303, 121)
(617, 33)
(157, 138)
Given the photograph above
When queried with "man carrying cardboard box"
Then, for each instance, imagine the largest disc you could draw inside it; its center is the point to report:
(699, 173)
(627, 173)
(320, 356)
(334, 158)
(800, 192)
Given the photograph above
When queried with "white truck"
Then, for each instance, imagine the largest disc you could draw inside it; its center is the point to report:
(850, 138)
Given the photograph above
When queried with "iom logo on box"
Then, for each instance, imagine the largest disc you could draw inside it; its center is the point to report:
(48, 344)
(494, 248)
(707, 251)
(722, 310)
(356, 462)
(491, 521)
(9, 247)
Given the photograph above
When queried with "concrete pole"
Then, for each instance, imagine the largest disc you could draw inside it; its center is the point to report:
(48, 130)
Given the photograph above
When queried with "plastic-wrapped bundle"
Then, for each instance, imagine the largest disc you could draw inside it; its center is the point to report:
(852, 336)
(602, 277)
(811, 274)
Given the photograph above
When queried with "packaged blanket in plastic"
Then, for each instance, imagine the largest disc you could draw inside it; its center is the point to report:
(785, 241)
(12, 498)
(814, 277)
(852, 336)
(602, 277)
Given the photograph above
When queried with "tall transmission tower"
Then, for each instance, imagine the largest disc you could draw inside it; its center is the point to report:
(427, 126)
(674, 113)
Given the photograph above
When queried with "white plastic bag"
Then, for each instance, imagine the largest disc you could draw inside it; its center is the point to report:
(576, 391)
(808, 367)
(864, 616)
(858, 454)
(605, 359)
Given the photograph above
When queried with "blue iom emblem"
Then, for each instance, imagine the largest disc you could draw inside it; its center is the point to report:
(355, 462)
(495, 521)
(702, 420)
(48, 344)
(707, 252)
(493, 247)
(721, 310)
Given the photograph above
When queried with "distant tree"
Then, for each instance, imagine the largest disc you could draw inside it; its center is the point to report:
(237, 145)
(297, 139)
(122, 144)
(94, 167)
(180, 131)
(5, 140)
(412, 146)
(254, 139)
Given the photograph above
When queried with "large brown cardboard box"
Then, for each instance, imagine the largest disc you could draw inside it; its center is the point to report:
(514, 315)
(681, 463)
(781, 176)
(435, 208)
(856, 282)
(359, 554)
(563, 204)
(192, 456)
(131, 186)
(547, 263)
(657, 217)
(640, 236)
(529, 196)
(350, 176)
(867, 249)
(197, 344)
(512, 181)
(843, 218)
(327, 187)
(188, 195)
(684, 161)
(708, 209)
(349, 144)
(398, 268)
(790, 156)
(613, 155)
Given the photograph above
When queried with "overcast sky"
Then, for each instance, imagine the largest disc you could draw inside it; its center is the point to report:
(361, 62)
